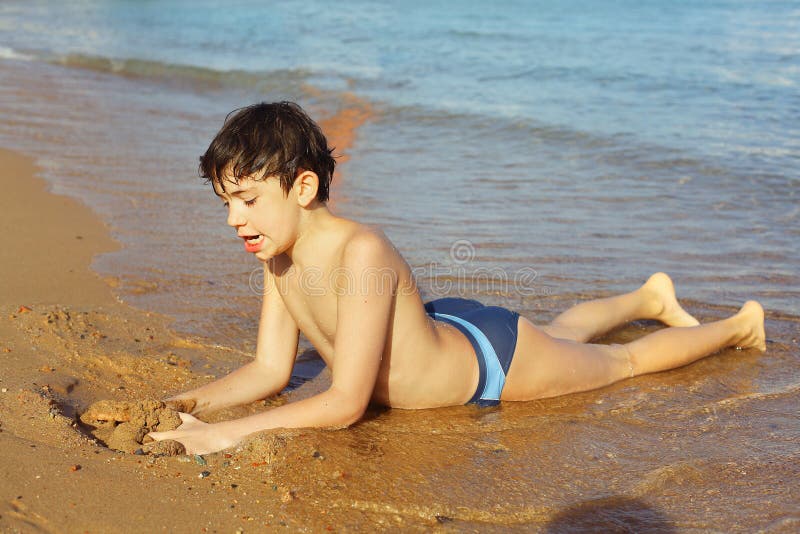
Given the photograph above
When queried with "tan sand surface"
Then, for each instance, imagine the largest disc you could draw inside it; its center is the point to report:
(65, 342)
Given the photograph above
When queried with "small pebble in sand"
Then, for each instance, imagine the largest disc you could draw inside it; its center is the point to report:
(75, 467)
(4, 390)
(204, 474)
(199, 460)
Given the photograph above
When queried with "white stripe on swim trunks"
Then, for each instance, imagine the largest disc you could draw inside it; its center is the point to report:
(495, 377)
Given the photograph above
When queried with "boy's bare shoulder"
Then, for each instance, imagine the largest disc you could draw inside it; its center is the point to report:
(366, 246)
(365, 243)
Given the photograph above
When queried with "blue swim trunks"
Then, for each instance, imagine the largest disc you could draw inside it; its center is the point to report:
(493, 333)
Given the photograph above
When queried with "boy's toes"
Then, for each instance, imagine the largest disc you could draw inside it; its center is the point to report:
(754, 334)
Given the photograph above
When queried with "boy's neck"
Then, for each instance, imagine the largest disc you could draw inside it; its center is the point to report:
(313, 223)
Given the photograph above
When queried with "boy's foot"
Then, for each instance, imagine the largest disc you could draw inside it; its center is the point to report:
(753, 335)
(667, 309)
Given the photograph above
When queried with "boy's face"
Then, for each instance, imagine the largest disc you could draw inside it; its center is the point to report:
(264, 217)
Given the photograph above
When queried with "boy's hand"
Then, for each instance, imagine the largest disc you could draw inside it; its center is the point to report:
(198, 437)
(181, 405)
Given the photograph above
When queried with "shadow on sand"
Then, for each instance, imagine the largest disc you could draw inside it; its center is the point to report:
(611, 514)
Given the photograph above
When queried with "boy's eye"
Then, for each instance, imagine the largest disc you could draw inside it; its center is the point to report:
(250, 202)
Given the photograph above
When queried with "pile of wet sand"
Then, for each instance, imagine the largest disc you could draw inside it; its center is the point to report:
(123, 426)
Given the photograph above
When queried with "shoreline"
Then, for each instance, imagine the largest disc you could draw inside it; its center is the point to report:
(53, 345)
(39, 227)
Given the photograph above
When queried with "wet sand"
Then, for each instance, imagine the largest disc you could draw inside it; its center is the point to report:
(712, 446)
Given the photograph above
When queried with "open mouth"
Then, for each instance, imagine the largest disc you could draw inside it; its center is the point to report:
(253, 239)
(253, 243)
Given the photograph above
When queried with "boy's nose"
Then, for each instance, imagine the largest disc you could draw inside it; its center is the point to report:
(235, 218)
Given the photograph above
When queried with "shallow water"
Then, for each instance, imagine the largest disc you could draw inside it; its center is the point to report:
(590, 146)
(710, 447)
(532, 165)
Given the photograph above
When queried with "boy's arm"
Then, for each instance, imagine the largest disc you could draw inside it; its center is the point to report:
(364, 312)
(267, 374)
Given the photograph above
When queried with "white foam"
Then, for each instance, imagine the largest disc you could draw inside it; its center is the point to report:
(9, 53)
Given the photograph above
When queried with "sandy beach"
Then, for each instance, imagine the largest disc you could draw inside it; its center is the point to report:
(65, 342)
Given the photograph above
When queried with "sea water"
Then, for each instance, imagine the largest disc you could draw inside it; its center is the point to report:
(587, 142)
(593, 142)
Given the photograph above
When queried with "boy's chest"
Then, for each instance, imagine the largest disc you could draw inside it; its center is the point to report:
(310, 297)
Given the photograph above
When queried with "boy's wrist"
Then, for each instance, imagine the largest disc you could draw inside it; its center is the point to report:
(230, 431)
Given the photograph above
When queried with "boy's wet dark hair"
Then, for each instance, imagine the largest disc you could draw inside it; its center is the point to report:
(265, 140)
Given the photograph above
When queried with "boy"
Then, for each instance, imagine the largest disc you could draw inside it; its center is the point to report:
(346, 288)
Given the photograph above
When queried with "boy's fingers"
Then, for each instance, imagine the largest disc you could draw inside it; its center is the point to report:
(187, 418)
(165, 447)
(172, 434)
(147, 447)
(181, 405)
(159, 436)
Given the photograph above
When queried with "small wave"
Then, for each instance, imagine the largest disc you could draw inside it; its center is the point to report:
(680, 473)
(505, 37)
(283, 80)
(10, 53)
(478, 123)
(512, 76)
(737, 401)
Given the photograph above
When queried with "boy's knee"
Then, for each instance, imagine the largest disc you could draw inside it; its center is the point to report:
(624, 360)
(564, 332)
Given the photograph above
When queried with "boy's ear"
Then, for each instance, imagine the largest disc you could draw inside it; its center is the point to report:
(306, 185)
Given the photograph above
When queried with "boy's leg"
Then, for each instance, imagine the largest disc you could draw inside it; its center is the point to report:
(675, 347)
(655, 299)
(547, 367)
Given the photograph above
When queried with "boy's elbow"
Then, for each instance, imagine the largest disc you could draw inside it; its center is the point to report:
(354, 416)
(349, 411)
(350, 415)
(276, 378)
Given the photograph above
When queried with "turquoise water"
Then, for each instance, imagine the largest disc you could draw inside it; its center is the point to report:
(721, 74)
(592, 142)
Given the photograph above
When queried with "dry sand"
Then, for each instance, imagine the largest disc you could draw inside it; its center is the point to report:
(66, 342)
